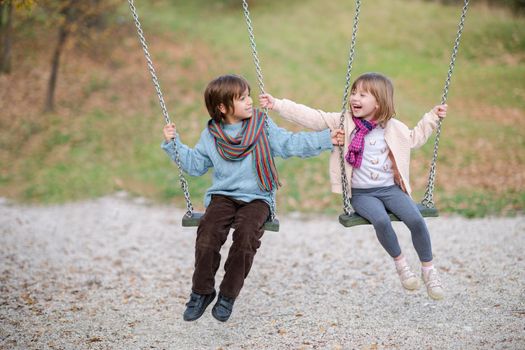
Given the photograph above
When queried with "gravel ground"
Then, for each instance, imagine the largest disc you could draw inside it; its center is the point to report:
(115, 273)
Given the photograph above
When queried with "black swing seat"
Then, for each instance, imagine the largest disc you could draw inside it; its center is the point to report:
(195, 218)
(355, 219)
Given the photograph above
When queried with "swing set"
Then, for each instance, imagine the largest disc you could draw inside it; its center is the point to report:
(349, 217)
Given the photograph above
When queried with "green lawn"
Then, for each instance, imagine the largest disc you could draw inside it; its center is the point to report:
(303, 47)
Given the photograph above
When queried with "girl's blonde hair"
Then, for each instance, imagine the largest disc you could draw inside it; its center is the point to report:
(382, 89)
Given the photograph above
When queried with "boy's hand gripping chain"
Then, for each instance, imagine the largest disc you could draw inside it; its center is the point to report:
(182, 179)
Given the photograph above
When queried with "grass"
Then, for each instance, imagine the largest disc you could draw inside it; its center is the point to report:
(105, 135)
(480, 204)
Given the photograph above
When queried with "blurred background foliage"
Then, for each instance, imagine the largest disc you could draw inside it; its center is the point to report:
(79, 117)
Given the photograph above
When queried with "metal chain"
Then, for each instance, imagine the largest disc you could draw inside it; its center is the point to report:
(142, 39)
(273, 206)
(260, 82)
(428, 199)
(347, 207)
(253, 46)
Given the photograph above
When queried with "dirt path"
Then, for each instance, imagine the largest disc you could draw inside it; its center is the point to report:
(115, 273)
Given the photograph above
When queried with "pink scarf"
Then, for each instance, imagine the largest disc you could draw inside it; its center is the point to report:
(354, 156)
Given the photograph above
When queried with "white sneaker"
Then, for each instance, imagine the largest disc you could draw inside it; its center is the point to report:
(407, 277)
(433, 284)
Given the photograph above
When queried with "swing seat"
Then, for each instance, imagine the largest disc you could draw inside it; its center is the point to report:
(195, 218)
(355, 219)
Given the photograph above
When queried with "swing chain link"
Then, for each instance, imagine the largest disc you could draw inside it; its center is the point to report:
(428, 199)
(260, 82)
(142, 39)
(253, 46)
(273, 208)
(347, 207)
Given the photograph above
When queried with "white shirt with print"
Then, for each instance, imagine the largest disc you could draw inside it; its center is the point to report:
(376, 167)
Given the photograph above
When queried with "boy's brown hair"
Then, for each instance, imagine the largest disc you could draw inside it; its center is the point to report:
(383, 90)
(223, 90)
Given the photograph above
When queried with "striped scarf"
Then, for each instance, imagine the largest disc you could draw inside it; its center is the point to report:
(354, 156)
(252, 137)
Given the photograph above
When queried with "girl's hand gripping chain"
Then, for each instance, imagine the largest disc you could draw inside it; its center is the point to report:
(266, 101)
(440, 110)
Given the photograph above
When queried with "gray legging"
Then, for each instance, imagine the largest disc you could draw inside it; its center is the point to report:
(373, 203)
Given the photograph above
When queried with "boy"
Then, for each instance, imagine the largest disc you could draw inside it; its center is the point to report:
(237, 146)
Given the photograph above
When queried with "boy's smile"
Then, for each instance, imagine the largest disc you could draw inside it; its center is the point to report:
(242, 109)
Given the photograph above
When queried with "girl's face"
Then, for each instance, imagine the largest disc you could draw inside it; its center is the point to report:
(363, 104)
(242, 109)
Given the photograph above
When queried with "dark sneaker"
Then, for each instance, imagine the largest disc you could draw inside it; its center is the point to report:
(223, 308)
(196, 305)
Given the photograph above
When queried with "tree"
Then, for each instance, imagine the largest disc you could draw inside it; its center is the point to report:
(63, 32)
(6, 29)
(7, 8)
(73, 17)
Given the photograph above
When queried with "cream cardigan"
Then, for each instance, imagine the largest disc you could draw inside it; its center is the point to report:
(399, 138)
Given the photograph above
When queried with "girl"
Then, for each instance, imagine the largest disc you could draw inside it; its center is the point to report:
(377, 165)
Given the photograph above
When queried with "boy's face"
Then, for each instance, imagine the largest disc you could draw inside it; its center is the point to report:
(242, 109)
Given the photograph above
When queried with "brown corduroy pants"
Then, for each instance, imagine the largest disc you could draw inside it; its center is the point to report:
(213, 230)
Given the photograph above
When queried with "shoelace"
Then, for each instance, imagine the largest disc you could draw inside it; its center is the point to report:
(405, 272)
(433, 280)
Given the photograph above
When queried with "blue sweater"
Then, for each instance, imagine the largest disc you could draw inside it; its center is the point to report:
(237, 179)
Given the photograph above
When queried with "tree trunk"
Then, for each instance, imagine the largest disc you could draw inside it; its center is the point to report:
(55, 63)
(2, 5)
(6, 32)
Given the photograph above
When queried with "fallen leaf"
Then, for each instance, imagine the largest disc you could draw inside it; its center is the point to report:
(94, 339)
(27, 299)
